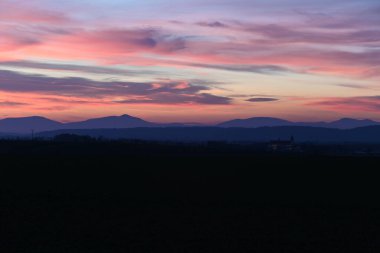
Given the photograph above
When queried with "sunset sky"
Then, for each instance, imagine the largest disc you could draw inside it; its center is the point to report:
(190, 60)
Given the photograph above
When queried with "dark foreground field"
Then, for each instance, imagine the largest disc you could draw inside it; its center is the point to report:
(141, 197)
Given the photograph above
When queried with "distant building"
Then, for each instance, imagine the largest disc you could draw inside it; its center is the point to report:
(282, 145)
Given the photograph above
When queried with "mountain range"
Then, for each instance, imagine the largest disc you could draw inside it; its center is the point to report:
(37, 124)
(345, 123)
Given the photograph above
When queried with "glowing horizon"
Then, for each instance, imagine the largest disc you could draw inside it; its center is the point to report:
(195, 61)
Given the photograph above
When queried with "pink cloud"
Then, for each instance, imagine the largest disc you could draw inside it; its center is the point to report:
(11, 40)
(249, 48)
(348, 104)
(26, 12)
(84, 44)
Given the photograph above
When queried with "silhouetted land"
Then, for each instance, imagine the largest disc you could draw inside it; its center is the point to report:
(370, 134)
(39, 124)
(84, 195)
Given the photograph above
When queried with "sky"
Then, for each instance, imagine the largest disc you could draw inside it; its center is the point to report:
(190, 61)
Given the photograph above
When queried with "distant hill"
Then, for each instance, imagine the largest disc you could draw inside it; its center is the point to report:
(256, 122)
(28, 124)
(264, 134)
(345, 123)
(124, 121)
(40, 124)
(348, 123)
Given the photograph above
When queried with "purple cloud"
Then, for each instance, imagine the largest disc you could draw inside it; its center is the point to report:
(126, 40)
(11, 104)
(75, 68)
(277, 34)
(168, 98)
(353, 86)
(215, 24)
(260, 100)
(161, 92)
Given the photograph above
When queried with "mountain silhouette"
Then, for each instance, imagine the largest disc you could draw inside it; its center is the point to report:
(345, 123)
(256, 122)
(28, 124)
(124, 121)
(40, 124)
(369, 134)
